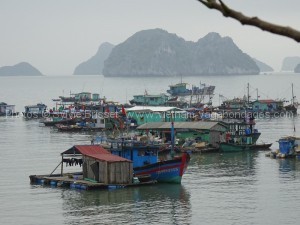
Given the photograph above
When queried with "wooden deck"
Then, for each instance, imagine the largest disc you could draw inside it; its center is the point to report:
(73, 182)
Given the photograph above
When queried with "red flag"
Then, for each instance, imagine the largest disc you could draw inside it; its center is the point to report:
(107, 109)
(123, 111)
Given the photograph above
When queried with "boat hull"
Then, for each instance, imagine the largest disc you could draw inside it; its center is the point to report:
(229, 147)
(63, 122)
(168, 171)
(9, 114)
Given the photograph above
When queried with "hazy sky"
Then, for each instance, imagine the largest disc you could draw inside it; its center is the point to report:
(56, 35)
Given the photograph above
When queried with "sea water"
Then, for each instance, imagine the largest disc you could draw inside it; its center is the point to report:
(218, 188)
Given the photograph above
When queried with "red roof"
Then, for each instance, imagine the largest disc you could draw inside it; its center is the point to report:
(96, 152)
(91, 149)
(108, 157)
(83, 149)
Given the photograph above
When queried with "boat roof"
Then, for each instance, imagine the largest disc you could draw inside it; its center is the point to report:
(153, 109)
(4, 104)
(151, 96)
(267, 101)
(201, 125)
(179, 84)
(95, 151)
(36, 106)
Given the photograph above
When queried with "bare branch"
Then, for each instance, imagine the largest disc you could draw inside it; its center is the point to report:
(252, 21)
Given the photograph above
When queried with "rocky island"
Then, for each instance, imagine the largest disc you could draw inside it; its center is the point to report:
(20, 69)
(156, 52)
(94, 65)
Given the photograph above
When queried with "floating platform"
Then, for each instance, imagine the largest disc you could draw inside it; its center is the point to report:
(277, 155)
(75, 181)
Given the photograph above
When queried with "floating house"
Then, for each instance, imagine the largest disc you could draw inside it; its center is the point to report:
(289, 147)
(268, 105)
(101, 166)
(7, 110)
(147, 114)
(100, 169)
(202, 131)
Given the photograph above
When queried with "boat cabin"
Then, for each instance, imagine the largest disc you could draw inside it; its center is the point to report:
(234, 104)
(201, 131)
(6, 110)
(150, 100)
(39, 108)
(179, 90)
(138, 152)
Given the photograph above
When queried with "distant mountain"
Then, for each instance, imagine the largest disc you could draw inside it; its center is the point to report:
(263, 67)
(289, 63)
(297, 68)
(20, 69)
(158, 53)
(94, 65)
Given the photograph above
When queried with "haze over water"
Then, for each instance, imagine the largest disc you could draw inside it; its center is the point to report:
(231, 188)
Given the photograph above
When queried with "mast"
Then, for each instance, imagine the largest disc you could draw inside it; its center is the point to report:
(293, 97)
(257, 94)
(248, 95)
(172, 139)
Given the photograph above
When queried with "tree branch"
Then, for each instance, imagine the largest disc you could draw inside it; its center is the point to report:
(252, 21)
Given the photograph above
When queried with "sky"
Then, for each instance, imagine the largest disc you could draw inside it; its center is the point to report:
(56, 35)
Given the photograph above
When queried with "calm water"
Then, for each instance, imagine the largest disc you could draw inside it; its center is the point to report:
(233, 188)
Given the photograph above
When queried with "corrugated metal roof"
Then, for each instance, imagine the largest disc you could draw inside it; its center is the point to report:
(201, 125)
(108, 157)
(153, 109)
(84, 149)
(96, 152)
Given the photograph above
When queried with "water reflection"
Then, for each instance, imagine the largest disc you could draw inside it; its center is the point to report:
(226, 164)
(160, 204)
(289, 169)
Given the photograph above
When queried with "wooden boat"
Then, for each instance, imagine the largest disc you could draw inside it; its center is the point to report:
(54, 121)
(231, 147)
(35, 111)
(74, 128)
(264, 146)
(146, 161)
(181, 89)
